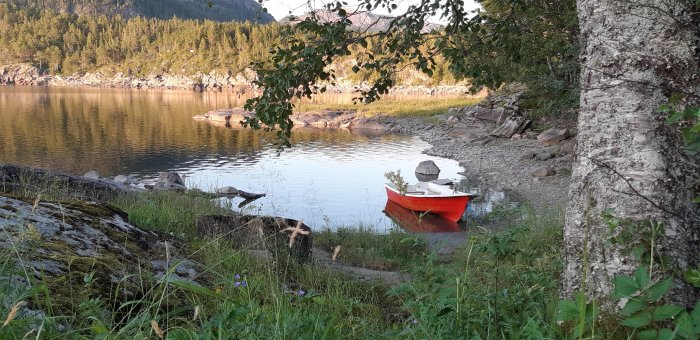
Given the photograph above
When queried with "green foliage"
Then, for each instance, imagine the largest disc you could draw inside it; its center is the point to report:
(488, 291)
(643, 313)
(580, 315)
(395, 178)
(689, 120)
(531, 42)
(167, 212)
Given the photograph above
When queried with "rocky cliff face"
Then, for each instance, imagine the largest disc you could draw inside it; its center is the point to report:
(21, 74)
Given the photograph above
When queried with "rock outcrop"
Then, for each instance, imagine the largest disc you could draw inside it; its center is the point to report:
(61, 243)
(332, 119)
(18, 179)
(22, 74)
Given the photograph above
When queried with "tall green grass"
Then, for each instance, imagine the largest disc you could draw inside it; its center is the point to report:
(500, 285)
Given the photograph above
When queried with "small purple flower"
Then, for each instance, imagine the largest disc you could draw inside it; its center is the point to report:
(237, 276)
(238, 283)
(301, 293)
(414, 321)
(244, 283)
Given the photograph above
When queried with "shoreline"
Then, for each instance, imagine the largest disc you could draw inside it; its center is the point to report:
(241, 83)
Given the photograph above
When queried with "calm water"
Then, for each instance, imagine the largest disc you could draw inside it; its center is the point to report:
(328, 178)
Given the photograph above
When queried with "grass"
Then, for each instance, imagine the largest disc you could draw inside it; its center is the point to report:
(396, 107)
(362, 247)
(499, 285)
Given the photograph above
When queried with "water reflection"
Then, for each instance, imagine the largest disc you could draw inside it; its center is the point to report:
(417, 222)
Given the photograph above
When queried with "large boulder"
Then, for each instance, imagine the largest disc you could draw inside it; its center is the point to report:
(553, 136)
(168, 181)
(496, 116)
(61, 243)
(283, 237)
(427, 171)
(92, 175)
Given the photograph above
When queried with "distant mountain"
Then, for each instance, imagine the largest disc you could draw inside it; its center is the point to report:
(361, 20)
(219, 10)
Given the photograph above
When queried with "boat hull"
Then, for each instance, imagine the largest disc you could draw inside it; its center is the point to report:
(450, 207)
(418, 223)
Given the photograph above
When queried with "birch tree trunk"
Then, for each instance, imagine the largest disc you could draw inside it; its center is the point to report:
(635, 55)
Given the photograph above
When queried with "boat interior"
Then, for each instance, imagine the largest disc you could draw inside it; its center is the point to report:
(429, 189)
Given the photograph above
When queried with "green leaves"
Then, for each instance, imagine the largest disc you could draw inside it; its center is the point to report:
(638, 320)
(632, 306)
(655, 292)
(689, 118)
(693, 277)
(624, 286)
(567, 311)
(665, 312)
(582, 314)
(642, 312)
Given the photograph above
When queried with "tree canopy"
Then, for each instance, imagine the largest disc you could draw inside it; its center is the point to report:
(529, 41)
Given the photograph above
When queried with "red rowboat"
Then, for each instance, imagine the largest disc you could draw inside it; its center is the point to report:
(419, 222)
(430, 197)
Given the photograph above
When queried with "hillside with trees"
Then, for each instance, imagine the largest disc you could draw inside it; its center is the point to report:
(68, 44)
(219, 10)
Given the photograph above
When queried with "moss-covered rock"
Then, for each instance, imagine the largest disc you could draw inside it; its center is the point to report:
(81, 249)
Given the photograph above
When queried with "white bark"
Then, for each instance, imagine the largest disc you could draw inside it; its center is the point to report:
(635, 54)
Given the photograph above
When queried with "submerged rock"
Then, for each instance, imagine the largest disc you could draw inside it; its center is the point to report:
(125, 180)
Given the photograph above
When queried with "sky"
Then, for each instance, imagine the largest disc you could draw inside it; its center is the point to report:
(281, 8)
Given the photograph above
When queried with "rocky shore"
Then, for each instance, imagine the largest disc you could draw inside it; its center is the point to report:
(241, 83)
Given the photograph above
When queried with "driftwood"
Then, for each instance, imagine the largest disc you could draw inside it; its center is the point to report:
(233, 192)
(249, 195)
(19, 179)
